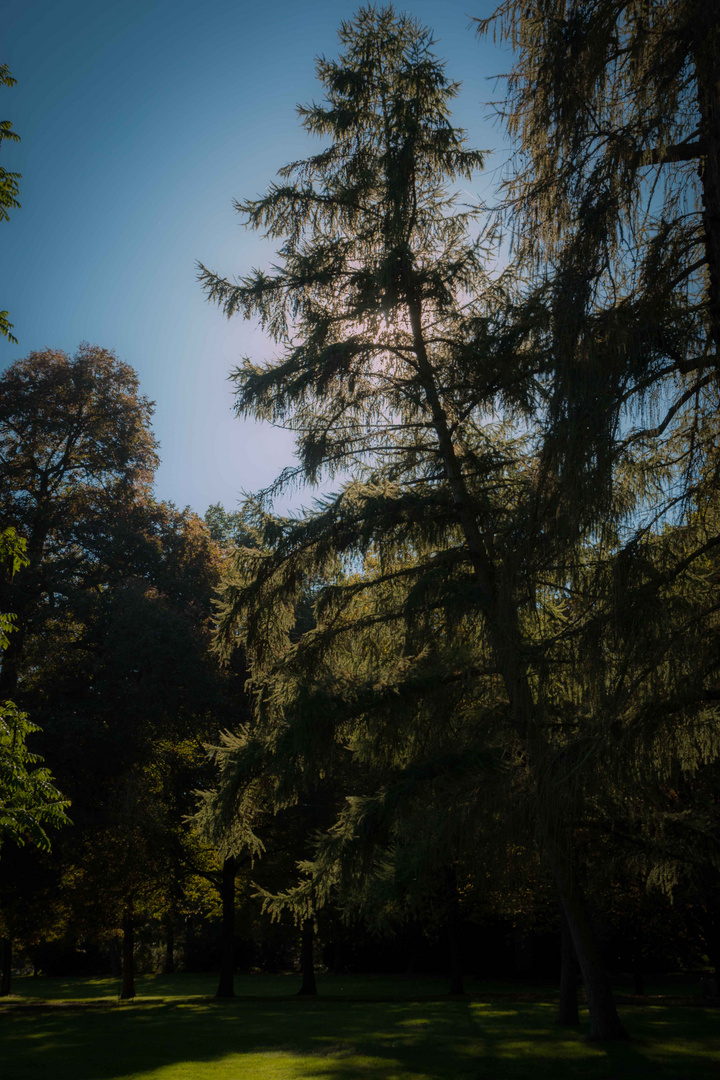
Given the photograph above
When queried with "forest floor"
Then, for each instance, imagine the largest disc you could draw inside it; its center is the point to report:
(359, 1028)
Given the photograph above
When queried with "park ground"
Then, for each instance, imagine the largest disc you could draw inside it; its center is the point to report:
(379, 1028)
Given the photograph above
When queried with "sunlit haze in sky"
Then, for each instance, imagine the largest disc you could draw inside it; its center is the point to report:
(141, 121)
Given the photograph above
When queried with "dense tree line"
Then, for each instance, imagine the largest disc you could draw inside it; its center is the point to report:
(108, 652)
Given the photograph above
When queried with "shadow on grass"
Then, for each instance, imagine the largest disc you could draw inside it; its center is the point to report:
(336, 1040)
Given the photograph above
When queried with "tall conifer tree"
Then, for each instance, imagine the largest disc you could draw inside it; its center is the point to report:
(400, 358)
(615, 206)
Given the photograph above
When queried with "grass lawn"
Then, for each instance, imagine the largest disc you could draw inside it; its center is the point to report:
(166, 1035)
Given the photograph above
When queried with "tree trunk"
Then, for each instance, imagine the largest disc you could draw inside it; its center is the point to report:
(605, 1024)
(454, 937)
(189, 949)
(522, 952)
(501, 613)
(6, 961)
(169, 965)
(637, 961)
(128, 959)
(226, 985)
(709, 925)
(114, 954)
(307, 964)
(336, 958)
(456, 972)
(568, 1010)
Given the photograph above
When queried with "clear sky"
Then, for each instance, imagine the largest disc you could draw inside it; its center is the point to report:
(141, 121)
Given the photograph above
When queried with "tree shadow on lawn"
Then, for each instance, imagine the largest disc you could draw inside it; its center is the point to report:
(321, 1040)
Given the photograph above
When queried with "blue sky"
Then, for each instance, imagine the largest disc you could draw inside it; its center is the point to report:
(140, 123)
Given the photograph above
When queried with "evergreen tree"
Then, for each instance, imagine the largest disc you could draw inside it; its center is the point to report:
(615, 207)
(404, 358)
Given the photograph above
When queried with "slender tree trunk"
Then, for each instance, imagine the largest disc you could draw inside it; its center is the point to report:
(128, 959)
(336, 958)
(307, 962)
(523, 950)
(454, 936)
(568, 1010)
(189, 950)
(637, 961)
(507, 641)
(169, 965)
(114, 954)
(709, 921)
(6, 961)
(226, 985)
(457, 986)
(605, 1024)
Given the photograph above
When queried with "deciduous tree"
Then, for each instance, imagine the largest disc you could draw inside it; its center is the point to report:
(29, 801)
(76, 457)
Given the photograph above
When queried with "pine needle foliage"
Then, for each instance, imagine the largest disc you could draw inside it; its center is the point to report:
(372, 231)
(614, 200)
(614, 203)
(512, 601)
(373, 302)
(401, 356)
